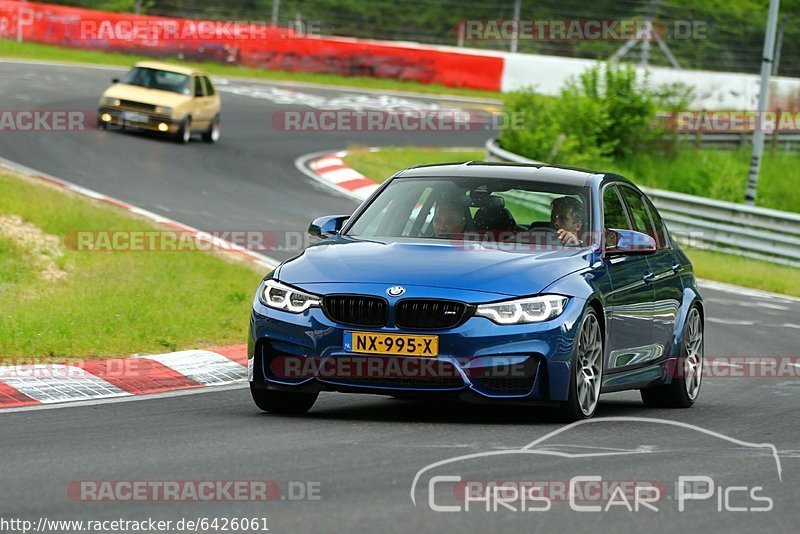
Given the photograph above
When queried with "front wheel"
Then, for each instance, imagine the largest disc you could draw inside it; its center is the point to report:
(586, 376)
(282, 402)
(685, 387)
(184, 134)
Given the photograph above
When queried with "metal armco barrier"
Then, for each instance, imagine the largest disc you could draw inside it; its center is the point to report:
(759, 233)
(734, 140)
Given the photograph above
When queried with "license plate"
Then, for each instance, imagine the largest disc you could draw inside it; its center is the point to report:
(397, 344)
(133, 116)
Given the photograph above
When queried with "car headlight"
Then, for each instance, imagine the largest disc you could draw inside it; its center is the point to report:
(163, 110)
(108, 101)
(523, 311)
(282, 297)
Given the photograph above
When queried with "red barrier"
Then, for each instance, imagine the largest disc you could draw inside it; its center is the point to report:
(262, 46)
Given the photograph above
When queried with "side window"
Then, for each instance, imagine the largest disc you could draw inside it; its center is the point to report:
(209, 88)
(198, 86)
(662, 236)
(613, 210)
(638, 212)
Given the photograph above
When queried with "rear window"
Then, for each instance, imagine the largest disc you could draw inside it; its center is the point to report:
(638, 212)
(613, 210)
(198, 86)
(209, 87)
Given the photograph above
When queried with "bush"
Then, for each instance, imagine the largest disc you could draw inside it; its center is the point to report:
(566, 130)
(607, 113)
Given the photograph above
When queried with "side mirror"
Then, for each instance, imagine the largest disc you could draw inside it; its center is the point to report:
(324, 227)
(114, 80)
(628, 242)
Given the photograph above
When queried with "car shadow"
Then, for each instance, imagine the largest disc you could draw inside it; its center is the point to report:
(142, 134)
(389, 410)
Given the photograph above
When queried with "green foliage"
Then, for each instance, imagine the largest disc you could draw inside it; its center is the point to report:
(120, 6)
(607, 113)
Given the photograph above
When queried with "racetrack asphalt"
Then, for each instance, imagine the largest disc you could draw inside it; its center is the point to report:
(364, 451)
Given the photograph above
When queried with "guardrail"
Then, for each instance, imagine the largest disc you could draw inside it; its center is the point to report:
(759, 233)
(734, 140)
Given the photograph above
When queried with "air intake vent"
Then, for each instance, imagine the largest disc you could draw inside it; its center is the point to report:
(138, 106)
(429, 314)
(356, 310)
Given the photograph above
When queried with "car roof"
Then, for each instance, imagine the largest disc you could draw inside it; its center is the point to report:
(515, 171)
(169, 67)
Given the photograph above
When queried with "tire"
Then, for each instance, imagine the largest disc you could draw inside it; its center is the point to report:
(283, 402)
(213, 133)
(684, 389)
(586, 372)
(184, 133)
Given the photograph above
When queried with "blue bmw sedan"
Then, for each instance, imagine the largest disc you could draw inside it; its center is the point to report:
(489, 283)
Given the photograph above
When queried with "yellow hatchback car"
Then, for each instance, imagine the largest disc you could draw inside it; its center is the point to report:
(159, 97)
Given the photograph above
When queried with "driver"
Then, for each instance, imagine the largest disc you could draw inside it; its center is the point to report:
(449, 218)
(566, 218)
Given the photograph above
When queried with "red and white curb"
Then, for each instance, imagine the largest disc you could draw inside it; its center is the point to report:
(44, 384)
(329, 169)
(40, 384)
(332, 171)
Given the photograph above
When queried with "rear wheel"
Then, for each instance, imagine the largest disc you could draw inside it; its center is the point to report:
(586, 376)
(285, 402)
(212, 134)
(685, 387)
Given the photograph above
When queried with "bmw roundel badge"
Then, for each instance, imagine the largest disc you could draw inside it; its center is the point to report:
(395, 291)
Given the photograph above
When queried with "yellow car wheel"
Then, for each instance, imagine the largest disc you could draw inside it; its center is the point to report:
(212, 134)
(184, 134)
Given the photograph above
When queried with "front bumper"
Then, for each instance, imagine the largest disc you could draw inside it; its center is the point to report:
(479, 361)
(146, 121)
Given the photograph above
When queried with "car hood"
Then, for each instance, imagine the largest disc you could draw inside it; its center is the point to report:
(441, 265)
(144, 95)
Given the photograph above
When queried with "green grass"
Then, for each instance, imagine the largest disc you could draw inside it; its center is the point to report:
(708, 264)
(12, 49)
(745, 272)
(111, 303)
(716, 173)
(381, 165)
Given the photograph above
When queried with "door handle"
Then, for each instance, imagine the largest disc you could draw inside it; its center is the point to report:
(648, 277)
(677, 267)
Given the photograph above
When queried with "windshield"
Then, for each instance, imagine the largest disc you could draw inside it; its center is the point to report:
(482, 209)
(162, 80)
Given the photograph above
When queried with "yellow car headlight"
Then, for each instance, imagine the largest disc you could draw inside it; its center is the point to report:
(163, 110)
(108, 101)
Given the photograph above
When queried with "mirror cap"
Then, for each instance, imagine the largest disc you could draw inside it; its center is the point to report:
(327, 226)
(629, 242)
